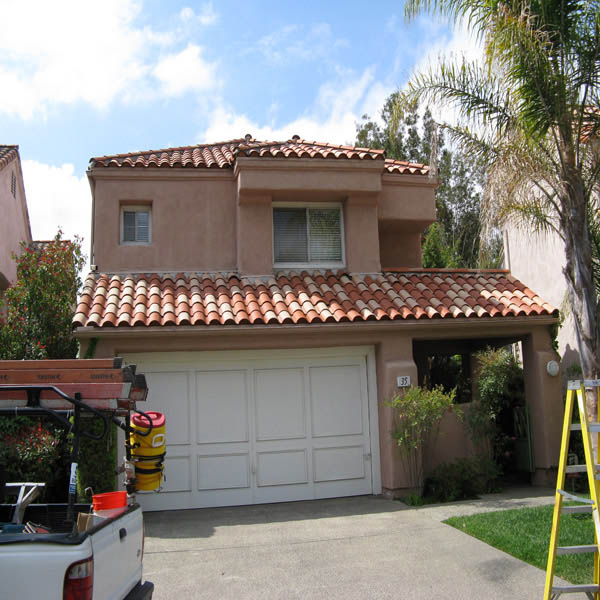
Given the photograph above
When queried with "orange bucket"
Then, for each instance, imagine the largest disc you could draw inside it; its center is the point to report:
(109, 504)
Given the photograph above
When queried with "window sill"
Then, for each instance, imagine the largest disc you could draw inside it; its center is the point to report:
(307, 266)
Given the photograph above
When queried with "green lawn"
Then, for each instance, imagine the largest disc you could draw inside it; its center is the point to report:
(525, 533)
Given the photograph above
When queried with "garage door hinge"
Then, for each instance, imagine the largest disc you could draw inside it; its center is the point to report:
(367, 456)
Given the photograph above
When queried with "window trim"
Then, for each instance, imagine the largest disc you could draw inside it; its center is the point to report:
(309, 265)
(134, 208)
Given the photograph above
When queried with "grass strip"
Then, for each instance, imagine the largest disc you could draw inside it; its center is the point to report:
(525, 534)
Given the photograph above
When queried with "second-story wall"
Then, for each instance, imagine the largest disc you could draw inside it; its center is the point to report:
(222, 220)
(193, 222)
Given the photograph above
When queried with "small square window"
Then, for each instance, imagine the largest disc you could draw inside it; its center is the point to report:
(136, 225)
(307, 235)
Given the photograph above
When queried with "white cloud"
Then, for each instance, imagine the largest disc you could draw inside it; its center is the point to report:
(184, 71)
(73, 51)
(297, 43)
(332, 117)
(206, 15)
(458, 45)
(57, 197)
(391, 25)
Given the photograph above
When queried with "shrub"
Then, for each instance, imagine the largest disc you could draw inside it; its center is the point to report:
(96, 460)
(500, 388)
(29, 450)
(461, 480)
(417, 414)
(39, 306)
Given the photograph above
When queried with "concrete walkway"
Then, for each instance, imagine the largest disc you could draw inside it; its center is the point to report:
(349, 548)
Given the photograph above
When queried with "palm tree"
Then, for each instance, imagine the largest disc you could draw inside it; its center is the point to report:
(531, 110)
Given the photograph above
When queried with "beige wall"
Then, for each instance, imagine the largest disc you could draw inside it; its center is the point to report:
(399, 248)
(538, 259)
(393, 350)
(193, 224)
(220, 220)
(14, 221)
(546, 415)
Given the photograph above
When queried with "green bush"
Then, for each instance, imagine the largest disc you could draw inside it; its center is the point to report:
(97, 460)
(417, 414)
(38, 315)
(463, 479)
(29, 450)
(490, 419)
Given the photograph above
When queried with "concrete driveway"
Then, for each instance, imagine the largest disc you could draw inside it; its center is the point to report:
(364, 547)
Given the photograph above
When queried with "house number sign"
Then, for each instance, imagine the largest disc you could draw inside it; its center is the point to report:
(404, 381)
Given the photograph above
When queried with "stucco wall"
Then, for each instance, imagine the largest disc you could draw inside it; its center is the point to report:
(213, 220)
(14, 221)
(399, 248)
(193, 225)
(538, 260)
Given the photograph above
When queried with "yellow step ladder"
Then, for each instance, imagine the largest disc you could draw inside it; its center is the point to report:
(576, 389)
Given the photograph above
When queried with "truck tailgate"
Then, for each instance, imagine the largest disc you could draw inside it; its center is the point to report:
(118, 555)
(38, 570)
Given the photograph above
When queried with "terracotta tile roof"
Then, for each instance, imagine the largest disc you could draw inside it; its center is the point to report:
(8, 154)
(223, 155)
(304, 297)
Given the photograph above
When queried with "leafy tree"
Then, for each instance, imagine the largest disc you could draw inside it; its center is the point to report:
(39, 306)
(455, 241)
(531, 112)
(37, 324)
(436, 253)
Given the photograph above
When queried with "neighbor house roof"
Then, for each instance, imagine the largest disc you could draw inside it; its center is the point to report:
(200, 299)
(8, 154)
(223, 155)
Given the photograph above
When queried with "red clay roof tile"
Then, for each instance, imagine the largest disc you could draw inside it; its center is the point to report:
(224, 154)
(197, 299)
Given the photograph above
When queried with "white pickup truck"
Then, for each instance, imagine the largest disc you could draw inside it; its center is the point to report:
(63, 551)
(102, 563)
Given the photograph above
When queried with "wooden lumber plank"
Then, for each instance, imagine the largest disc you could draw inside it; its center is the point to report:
(75, 363)
(123, 404)
(62, 404)
(87, 391)
(60, 376)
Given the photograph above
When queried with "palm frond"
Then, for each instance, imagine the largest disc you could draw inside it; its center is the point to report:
(480, 98)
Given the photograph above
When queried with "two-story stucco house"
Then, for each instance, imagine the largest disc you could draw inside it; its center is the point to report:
(272, 294)
(14, 221)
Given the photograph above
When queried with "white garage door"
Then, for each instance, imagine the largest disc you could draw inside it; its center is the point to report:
(246, 428)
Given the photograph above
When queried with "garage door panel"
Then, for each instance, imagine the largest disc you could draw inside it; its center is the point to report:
(169, 393)
(283, 467)
(280, 404)
(223, 471)
(222, 406)
(256, 427)
(336, 400)
(179, 476)
(340, 463)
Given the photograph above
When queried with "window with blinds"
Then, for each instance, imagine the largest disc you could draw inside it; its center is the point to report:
(135, 226)
(307, 235)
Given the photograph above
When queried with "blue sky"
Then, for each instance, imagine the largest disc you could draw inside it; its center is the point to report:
(82, 79)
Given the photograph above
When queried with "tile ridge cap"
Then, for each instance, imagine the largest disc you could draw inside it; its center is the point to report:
(169, 149)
